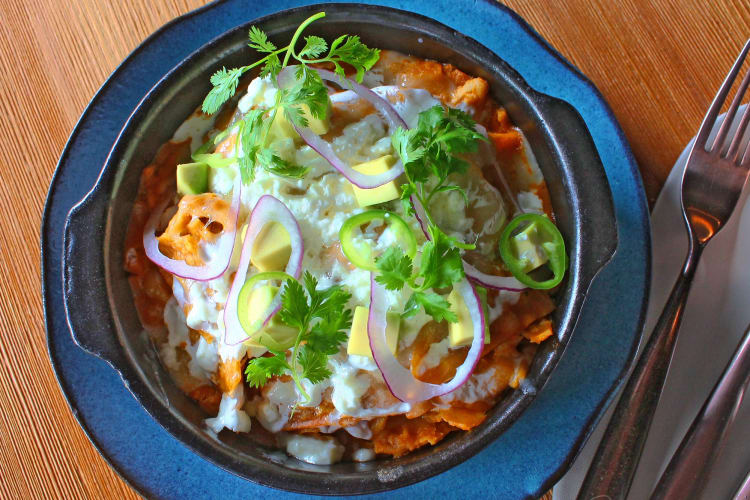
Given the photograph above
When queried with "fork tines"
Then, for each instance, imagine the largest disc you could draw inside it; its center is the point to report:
(733, 153)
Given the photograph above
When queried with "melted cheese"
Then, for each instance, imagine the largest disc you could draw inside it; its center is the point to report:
(231, 415)
(313, 450)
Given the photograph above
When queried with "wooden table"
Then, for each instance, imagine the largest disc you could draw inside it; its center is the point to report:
(657, 63)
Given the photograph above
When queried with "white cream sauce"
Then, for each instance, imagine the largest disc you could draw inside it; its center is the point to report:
(327, 202)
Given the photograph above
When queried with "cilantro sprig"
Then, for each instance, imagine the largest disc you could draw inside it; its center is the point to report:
(430, 153)
(346, 49)
(440, 267)
(322, 320)
(307, 94)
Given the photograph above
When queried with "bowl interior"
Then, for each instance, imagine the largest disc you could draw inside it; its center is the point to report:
(178, 95)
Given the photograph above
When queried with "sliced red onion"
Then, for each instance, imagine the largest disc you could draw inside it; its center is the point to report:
(267, 209)
(492, 281)
(380, 103)
(400, 380)
(491, 156)
(420, 214)
(324, 149)
(224, 244)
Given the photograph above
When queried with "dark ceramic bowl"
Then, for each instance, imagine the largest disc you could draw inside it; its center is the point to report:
(99, 304)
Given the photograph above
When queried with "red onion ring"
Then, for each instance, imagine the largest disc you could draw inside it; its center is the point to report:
(380, 103)
(267, 209)
(324, 149)
(492, 281)
(400, 380)
(420, 214)
(210, 270)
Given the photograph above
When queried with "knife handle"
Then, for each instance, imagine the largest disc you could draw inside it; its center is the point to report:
(687, 472)
(611, 472)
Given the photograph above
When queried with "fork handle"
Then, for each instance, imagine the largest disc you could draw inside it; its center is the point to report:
(611, 472)
(686, 474)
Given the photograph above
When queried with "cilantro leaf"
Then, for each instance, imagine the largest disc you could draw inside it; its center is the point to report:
(407, 190)
(434, 305)
(294, 305)
(461, 135)
(225, 85)
(309, 92)
(311, 282)
(249, 130)
(271, 66)
(350, 50)
(324, 302)
(314, 364)
(330, 332)
(430, 149)
(259, 41)
(259, 370)
(441, 264)
(411, 308)
(395, 268)
(314, 46)
(408, 145)
(277, 165)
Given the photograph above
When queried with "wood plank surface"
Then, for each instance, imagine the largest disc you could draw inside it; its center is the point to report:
(657, 63)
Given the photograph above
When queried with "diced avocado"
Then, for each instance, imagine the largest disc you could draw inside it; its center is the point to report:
(272, 248)
(282, 128)
(275, 335)
(359, 342)
(526, 247)
(387, 192)
(192, 178)
(462, 332)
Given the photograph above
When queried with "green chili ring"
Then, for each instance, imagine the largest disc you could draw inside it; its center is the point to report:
(361, 255)
(553, 245)
(243, 300)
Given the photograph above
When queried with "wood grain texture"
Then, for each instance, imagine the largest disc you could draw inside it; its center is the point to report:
(657, 63)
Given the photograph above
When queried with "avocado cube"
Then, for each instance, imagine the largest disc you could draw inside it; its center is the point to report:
(387, 192)
(192, 178)
(258, 301)
(526, 246)
(272, 248)
(359, 341)
(462, 332)
(276, 334)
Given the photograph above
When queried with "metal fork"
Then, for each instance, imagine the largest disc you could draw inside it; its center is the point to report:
(711, 185)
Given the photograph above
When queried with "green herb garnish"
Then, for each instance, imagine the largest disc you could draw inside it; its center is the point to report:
(429, 153)
(440, 267)
(322, 320)
(308, 93)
